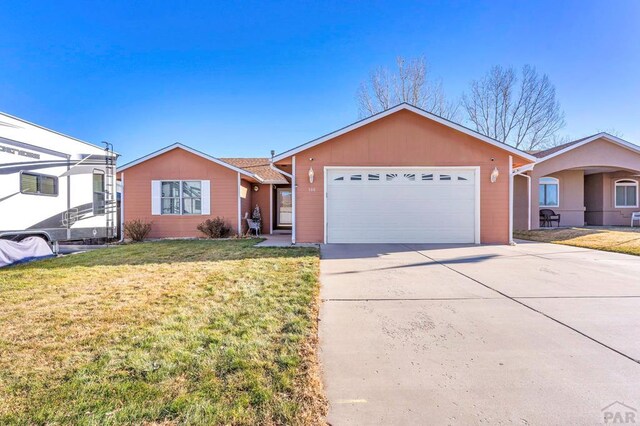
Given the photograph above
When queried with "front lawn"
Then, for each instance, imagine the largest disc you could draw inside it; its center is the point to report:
(172, 332)
(616, 239)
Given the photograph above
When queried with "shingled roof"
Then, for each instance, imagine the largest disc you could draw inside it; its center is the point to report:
(545, 152)
(258, 166)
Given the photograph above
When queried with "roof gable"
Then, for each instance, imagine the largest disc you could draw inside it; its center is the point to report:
(397, 108)
(561, 149)
(191, 150)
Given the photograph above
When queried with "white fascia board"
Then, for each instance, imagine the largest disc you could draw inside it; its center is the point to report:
(193, 151)
(408, 107)
(621, 142)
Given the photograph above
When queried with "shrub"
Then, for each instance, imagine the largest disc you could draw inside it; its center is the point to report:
(215, 228)
(137, 229)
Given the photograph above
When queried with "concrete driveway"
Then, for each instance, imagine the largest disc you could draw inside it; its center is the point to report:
(531, 334)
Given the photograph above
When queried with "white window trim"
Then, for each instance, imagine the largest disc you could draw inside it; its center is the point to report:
(180, 197)
(557, 183)
(624, 182)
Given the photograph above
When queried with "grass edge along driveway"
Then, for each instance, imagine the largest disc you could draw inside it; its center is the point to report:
(169, 332)
(615, 239)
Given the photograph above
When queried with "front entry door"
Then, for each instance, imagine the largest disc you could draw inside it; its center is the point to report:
(284, 207)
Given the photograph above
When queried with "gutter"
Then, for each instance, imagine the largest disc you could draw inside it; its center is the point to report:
(121, 240)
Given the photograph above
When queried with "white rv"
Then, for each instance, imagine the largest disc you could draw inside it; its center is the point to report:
(54, 186)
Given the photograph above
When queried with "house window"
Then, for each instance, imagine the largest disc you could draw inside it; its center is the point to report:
(98, 193)
(626, 193)
(191, 197)
(549, 192)
(181, 197)
(36, 184)
(170, 197)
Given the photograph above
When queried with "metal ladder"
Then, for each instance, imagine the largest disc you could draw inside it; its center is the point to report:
(110, 204)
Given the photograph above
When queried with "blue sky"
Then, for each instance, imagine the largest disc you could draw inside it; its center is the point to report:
(241, 78)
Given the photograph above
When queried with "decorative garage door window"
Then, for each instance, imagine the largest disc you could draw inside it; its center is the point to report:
(392, 177)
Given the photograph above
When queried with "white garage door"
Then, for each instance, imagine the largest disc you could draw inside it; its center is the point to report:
(402, 205)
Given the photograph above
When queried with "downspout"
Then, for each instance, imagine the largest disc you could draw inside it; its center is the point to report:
(293, 199)
(121, 206)
(521, 172)
(511, 200)
(239, 206)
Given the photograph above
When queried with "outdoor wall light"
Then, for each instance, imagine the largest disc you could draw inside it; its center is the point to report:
(311, 174)
(255, 188)
(494, 175)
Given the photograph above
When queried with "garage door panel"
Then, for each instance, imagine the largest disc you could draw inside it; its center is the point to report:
(401, 205)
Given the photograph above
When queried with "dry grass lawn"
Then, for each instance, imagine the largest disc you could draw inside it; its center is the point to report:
(173, 332)
(616, 239)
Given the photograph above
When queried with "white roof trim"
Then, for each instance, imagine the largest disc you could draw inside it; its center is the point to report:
(607, 136)
(408, 107)
(193, 151)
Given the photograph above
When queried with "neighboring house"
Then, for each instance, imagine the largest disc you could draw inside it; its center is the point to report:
(178, 188)
(592, 181)
(401, 176)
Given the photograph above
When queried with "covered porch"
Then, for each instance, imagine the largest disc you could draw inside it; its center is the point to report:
(593, 196)
(589, 182)
(270, 191)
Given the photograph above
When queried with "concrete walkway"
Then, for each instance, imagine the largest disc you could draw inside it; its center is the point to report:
(532, 334)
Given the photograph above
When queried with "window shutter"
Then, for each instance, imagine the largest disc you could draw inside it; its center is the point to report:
(156, 201)
(206, 197)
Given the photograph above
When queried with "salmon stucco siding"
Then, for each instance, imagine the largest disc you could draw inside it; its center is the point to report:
(179, 164)
(404, 138)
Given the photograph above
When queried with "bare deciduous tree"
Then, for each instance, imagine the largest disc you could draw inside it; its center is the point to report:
(612, 131)
(409, 83)
(522, 112)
